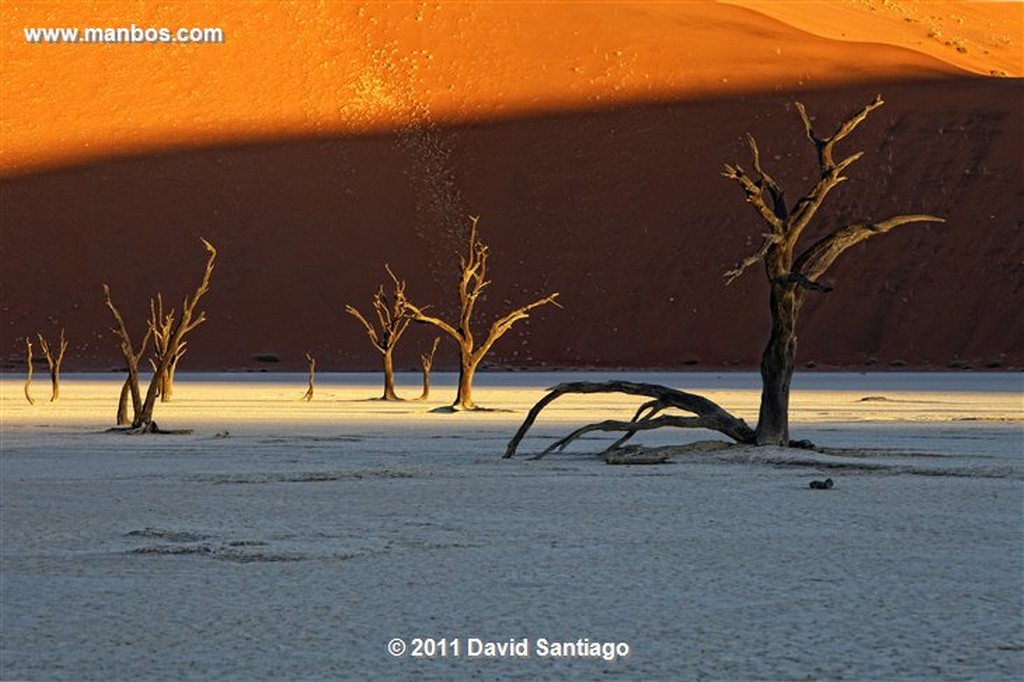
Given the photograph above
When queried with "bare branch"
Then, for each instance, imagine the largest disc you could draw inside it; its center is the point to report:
(820, 256)
(755, 195)
(830, 173)
(419, 316)
(427, 359)
(370, 331)
(716, 418)
(630, 427)
(503, 324)
(768, 182)
(770, 240)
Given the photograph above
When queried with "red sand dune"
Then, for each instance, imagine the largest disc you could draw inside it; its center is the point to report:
(588, 136)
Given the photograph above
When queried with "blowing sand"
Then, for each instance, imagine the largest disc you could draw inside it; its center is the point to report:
(286, 540)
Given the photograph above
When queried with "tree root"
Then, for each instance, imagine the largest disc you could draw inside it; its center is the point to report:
(708, 414)
(148, 427)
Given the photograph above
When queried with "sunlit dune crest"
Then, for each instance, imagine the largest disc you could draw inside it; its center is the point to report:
(308, 69)
(980, 37)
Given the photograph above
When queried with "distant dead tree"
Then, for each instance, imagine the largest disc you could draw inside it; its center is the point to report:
(392, 320)
(174, 328)
(427, 360)
(29, 370)
(312, 376)
(53, 363)
(791, 274)
(472, 281)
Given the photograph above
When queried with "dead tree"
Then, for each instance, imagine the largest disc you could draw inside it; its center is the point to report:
(427, 360)
(472, 282)
(29, 370)
(392, 321)
(312, 376)
(177, 328)
(132, 358)
(54, 363)
(791, 274)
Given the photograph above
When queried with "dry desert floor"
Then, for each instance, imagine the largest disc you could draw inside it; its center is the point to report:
(293, 540)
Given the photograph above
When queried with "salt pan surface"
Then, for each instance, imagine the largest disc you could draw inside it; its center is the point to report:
(286, 540)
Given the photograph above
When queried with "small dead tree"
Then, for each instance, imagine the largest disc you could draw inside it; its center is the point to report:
(312, 376)
(791, 274)
(53, 363)
(472, 282)
(177, 328)
(392, 320)
(132, 358)
(29, 370)
(427, 360)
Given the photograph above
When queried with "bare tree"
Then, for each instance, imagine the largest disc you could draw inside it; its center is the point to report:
(392, 321)
(29, 370)
(132, 358)
(791, 274)
(427, 360)
(312, 376)
(53, 363)
(472, 282)
(175, 329)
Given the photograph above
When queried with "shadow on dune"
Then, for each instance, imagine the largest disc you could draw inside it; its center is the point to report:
(622, 210)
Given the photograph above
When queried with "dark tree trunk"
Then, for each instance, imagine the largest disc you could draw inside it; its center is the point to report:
(464, 398)
(167, 382)
(426, 384)
(122, 404)
(389, 377)
(777, 365)
(54, 384)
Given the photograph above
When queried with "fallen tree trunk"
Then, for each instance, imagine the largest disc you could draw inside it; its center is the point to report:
(707, 414)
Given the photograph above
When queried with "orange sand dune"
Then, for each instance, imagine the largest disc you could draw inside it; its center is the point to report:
(321, 141)
(306, 68)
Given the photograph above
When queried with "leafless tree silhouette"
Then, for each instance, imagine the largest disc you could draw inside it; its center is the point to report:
(174, 328)
(472, 282)
(791, 274)
(427, 361)
(54, 363)
(392, 320)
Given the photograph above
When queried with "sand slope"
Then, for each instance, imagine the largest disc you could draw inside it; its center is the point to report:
(591, 151)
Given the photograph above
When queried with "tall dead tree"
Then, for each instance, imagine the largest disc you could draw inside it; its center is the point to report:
(176, 329)
(392, 321)
(53, 363)
(472, 282)
(427, 361)
(791, 274)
